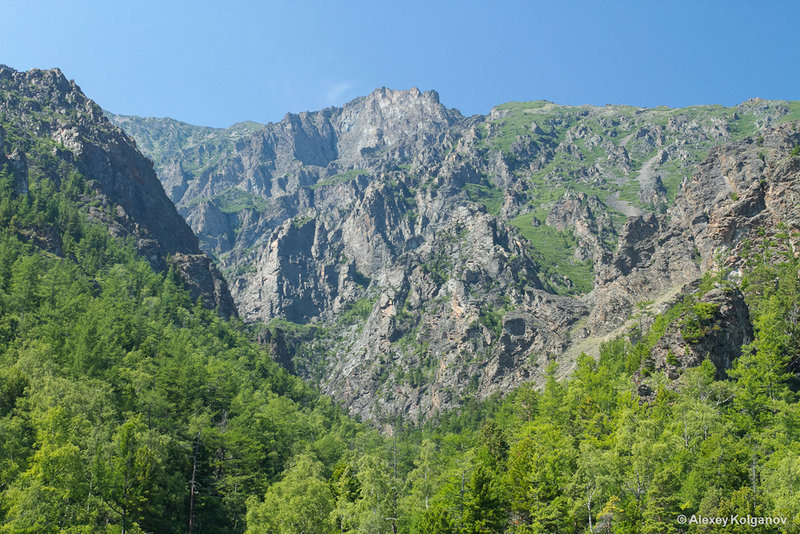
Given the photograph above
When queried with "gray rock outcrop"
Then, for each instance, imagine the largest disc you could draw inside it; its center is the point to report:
(442, 256)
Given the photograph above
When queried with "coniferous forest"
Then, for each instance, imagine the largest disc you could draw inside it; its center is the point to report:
(126, 405)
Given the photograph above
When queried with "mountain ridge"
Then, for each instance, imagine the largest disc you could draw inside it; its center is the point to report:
(474, 249)
(41, 108)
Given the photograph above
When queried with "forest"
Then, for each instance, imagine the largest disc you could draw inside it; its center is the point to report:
(126, 407)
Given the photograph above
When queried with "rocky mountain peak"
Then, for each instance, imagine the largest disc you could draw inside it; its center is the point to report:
(390, 119)
(38, 81)
(405, 98)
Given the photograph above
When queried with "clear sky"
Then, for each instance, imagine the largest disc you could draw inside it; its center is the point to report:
(216, 63)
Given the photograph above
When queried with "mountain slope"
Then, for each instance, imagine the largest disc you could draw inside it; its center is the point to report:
(49, 128)
(437, 256)
(127, 407)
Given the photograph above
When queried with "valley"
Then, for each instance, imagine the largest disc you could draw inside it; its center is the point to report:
(546, 319)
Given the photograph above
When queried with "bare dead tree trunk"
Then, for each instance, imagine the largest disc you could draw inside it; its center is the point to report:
(193, 483)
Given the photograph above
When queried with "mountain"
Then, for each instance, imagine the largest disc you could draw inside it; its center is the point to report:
(47, 125)
(419, 255)
(126, 406)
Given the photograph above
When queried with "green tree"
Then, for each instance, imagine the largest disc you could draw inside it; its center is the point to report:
(300, 502)
(484, 507)
(132, 475)
(539, 469)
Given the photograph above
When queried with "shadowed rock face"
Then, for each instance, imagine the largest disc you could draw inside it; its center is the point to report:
(440, 256)
(131, 198)
(724, 334)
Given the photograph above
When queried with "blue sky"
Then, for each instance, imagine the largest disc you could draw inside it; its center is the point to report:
(213, 64)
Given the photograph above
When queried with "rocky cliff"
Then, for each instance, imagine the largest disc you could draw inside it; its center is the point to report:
(50, 127)
(417, 256)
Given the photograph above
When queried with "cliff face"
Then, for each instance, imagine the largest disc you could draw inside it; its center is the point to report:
(438, 256)
(126, 195)
(741, 190)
